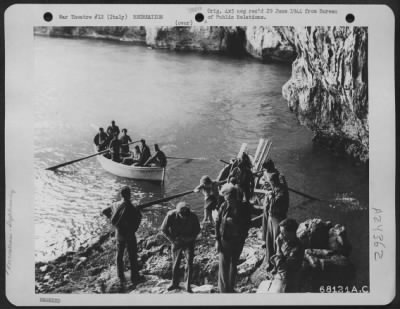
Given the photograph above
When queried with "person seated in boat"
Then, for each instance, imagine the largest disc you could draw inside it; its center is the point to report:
(114, 147)
(125, 139)
(133, 158)
(113, 128)
(158, 159)
(100, 140)
(145, 154)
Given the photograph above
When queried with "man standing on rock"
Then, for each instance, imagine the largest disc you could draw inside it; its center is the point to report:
(126, 219)
(276, 205)
(232, 225)
(181, 227)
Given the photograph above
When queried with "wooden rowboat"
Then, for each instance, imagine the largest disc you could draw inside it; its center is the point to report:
(132, 172)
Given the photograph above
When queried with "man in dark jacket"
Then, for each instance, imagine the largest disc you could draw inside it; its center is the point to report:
(181, 227)
(145, 154)
(115, 145)
(268, 170)
(100, 140)
(113, 128)
(232, 226)
(126, 219)
(289, 256)
(244, 175)
(158, 159)
(276, 206)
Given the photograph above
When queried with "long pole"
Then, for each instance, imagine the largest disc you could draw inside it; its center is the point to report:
(182, 158)
(162, 200)
(52, 168)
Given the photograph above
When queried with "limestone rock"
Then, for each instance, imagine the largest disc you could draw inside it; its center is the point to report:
(328, 89)
(314, 233)
(267, 44)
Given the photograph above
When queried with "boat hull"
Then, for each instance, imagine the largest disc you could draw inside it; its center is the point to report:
(133, 172)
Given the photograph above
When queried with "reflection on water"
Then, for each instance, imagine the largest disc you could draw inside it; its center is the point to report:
(193, 106)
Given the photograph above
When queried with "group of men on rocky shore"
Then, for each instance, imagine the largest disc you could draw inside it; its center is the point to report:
(231, 194)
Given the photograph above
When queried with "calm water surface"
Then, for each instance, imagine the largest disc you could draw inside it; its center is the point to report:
(193, 105)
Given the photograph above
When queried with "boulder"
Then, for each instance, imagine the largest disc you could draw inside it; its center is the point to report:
(314, 233)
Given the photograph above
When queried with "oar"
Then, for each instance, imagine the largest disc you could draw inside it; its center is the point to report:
(165, 199)
(306, 195)
(181, 158)
(52, 168)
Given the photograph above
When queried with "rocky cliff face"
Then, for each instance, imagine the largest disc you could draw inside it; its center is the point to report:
(270, 44)
(230, 40)
(328, 89)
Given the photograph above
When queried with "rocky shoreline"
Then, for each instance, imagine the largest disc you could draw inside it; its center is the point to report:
(92, 268)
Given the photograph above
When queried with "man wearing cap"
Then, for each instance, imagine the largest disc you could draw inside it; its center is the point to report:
(181, 227)
(100, 140)
(209, 189)
(145, 154)
(126, 219)
(269, 169)
(232, 225)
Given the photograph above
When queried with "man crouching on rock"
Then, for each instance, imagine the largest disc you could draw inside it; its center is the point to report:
(181, 226)
(126, 219)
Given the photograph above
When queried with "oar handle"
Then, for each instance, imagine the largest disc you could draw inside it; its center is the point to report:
(305, 195)
(183, 158)
(77, 160)
(162, 200)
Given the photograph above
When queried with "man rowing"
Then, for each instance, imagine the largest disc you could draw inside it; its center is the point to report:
(158, 159)
(145, 154)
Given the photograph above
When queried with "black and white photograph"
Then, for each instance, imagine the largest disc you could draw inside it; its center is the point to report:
(201, 159)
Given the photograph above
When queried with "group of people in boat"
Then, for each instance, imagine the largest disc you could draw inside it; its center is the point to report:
(119, 150)
(232, 195)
